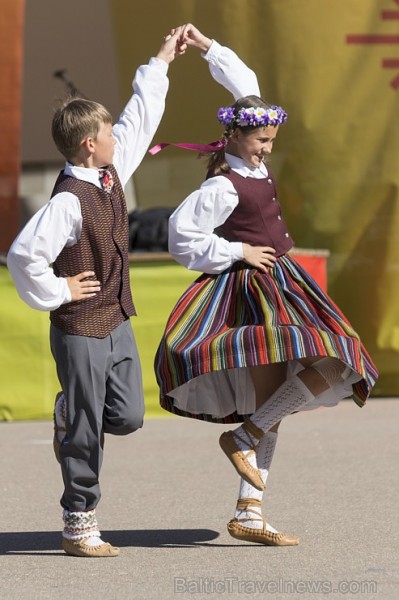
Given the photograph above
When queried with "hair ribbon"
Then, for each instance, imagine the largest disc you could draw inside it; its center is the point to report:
(211, 147)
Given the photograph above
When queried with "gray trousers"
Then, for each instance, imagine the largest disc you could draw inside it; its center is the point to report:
(102, 383)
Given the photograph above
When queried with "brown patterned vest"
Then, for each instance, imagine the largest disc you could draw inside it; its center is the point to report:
(102, 248)
(257, 219)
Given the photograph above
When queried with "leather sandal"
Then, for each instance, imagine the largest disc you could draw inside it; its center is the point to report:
(80, 548)
(239, 458)
(258, 536)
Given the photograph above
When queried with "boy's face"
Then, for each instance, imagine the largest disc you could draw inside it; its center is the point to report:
(103, 146)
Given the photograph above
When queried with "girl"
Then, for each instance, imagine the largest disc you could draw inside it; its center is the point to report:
(253, 339)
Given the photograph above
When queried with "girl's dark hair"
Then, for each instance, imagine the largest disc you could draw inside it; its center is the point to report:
(217, 163)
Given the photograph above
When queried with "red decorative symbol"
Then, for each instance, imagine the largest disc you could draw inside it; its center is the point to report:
(387, 63)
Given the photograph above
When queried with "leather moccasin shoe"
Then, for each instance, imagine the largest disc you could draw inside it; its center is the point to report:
(260, 536)
(239, 460)
(80, 548)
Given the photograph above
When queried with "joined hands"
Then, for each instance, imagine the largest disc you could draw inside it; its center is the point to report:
(179, 39)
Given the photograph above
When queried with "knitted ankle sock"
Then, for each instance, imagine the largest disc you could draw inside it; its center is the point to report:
(94, 541)
(82, 525)
(252, 517)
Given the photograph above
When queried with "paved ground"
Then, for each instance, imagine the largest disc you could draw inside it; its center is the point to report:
(168, 493)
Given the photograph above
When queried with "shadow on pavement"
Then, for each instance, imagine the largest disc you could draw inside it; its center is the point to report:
(39, 542)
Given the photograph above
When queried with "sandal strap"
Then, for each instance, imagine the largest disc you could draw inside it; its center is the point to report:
(251, 507)
(252, 429)
(246, 442)
(257, 518)
(243, 503)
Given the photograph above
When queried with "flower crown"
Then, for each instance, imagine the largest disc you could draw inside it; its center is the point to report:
(255, 117)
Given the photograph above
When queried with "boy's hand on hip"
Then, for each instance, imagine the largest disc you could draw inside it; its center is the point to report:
(82, 287)
(260, 257)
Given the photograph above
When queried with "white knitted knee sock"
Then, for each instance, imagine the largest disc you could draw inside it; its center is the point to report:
(262, 461)
(290, 396)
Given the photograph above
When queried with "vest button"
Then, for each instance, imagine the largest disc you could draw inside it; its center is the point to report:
(279, 218)
(273, 199)
(287, 235)
(269, 181)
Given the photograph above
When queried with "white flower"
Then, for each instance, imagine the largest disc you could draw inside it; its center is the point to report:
(272, 114)
(259, 112)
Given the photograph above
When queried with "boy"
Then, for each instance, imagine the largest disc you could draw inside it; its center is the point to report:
(83, 233)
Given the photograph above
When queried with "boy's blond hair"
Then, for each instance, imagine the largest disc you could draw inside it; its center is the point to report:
(75, 120)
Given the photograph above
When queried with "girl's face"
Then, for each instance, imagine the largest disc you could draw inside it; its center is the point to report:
(252, 147)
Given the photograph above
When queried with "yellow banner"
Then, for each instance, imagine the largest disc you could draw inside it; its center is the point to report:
(334, 66)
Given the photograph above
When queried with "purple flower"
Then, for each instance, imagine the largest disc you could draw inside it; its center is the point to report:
(255, 117)
(226, 115)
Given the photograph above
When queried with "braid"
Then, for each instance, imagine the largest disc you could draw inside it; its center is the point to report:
(217, 163)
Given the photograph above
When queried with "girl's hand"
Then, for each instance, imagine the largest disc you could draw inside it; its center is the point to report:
(172, 46)
(260, 257)
(81, 287)
(191, 36)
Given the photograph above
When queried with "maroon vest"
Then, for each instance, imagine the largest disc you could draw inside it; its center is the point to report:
(102, 248)
(257, 219)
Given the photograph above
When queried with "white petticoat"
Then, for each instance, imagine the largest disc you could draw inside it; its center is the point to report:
(223, 392)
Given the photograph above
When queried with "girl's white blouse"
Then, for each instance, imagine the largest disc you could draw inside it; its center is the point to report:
(192, 242)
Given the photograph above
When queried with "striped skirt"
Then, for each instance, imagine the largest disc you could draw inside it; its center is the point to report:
(243, 318)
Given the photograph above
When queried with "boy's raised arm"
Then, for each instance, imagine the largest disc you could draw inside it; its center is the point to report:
(141, 116)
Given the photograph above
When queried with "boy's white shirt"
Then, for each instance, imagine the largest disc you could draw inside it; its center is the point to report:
(59, 222)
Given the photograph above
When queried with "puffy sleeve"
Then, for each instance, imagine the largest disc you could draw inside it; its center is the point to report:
(192, 241)
(231, 72)
(54, 226)
(140, 118)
